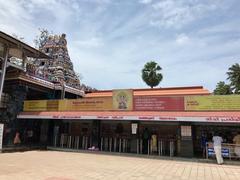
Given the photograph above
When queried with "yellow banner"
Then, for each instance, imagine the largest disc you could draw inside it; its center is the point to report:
(212, 103)
(35, 105)
(122, 100)
(52, 105)
(86, 104)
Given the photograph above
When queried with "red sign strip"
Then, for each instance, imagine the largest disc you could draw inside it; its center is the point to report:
(156, 103)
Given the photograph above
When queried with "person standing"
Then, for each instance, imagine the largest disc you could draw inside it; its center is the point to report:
(154, 142)
(203, 144)
(17, 139)
(146, 138)
(236, 140)
(217, 145)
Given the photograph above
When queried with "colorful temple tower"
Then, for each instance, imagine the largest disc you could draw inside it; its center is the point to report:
(59, 68)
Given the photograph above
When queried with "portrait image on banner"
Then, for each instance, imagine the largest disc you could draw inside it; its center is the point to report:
(122, 99)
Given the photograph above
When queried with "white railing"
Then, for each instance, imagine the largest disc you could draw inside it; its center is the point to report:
(230, 151)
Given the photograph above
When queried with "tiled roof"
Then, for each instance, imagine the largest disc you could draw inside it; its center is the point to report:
(175, 91)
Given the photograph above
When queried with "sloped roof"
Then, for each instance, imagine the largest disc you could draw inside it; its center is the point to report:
(15, 43)
(172, 91)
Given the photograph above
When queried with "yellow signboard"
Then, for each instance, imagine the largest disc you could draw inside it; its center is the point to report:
(35, 105)
(52, 105)
(86, 104)
(212, 103)
(122, 100)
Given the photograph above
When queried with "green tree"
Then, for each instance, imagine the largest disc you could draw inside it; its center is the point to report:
(151, 74)
(222, 89)
(234, 77)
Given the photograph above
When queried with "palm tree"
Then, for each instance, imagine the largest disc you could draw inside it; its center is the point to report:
(234, 77)
(222, 89)
(151, 75)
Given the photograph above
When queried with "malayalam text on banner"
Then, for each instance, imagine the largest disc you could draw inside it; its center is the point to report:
(156, 103)
(53, 105)
(212, 103)
(86, 104)
(35, 105)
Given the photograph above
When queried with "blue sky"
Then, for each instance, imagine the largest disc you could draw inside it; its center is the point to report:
(109, 41)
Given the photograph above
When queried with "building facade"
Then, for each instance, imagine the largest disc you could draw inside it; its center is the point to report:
(20, 80)
(162, 121)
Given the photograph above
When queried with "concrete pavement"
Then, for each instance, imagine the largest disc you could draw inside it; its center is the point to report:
(53, 165)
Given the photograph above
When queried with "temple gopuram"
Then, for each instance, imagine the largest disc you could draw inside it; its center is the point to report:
(59, 68)
(27, 73)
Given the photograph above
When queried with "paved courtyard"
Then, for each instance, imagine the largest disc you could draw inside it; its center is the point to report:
(51, 165)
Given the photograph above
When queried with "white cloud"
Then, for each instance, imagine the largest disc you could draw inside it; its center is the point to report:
(171, 13)
(110, 41)
(97, 1)
(182, 39)
(145, 1)
(16, 20)
(229, 27)
(90, 43)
